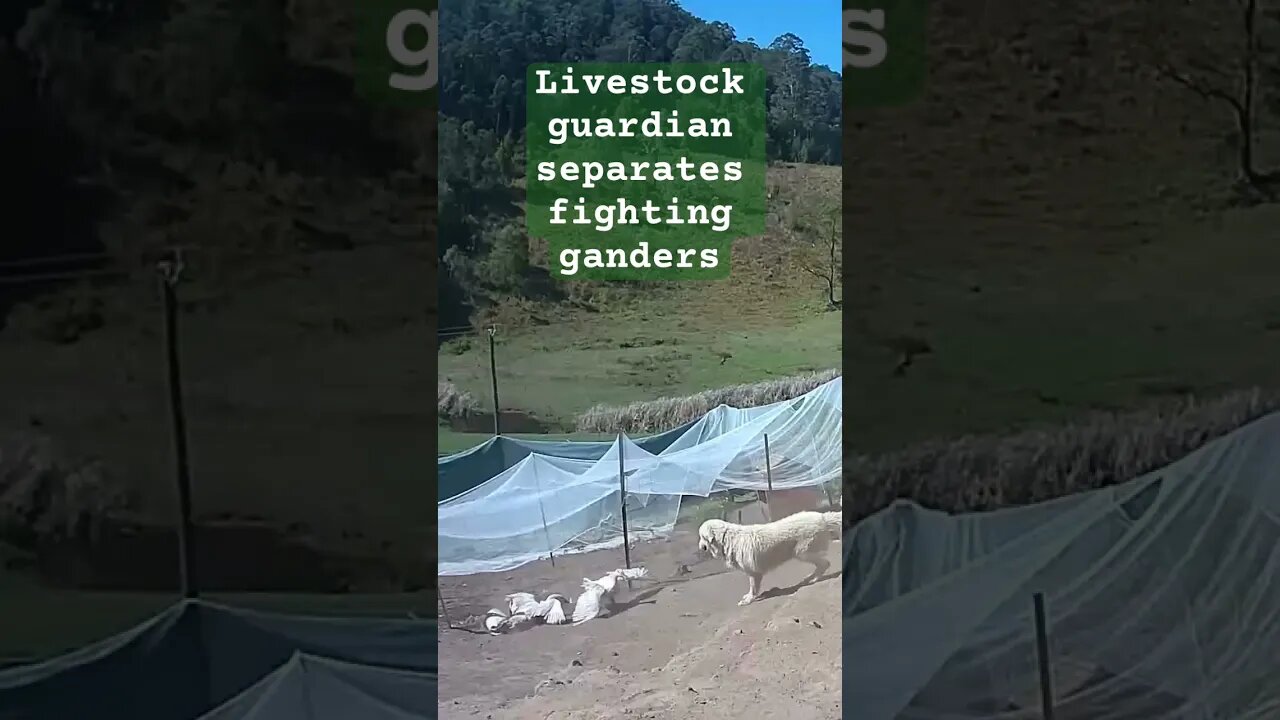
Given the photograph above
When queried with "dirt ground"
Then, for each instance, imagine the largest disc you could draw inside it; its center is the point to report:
(677, 645)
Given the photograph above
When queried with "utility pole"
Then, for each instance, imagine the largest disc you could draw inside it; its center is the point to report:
(170, 273)
(493, 376)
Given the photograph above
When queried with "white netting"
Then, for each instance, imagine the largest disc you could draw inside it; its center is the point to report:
(556, 504)
(1163, 599)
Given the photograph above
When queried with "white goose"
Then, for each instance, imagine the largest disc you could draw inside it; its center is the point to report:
(551, 610)
(524, 609)
(597, 593)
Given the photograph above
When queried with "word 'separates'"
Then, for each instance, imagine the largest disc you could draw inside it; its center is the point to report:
(725, 82)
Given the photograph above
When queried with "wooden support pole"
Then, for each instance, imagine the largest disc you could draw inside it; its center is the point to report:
(493, 378)
(768, 476)
(622, 483)
(188, 578)
(1042, 653)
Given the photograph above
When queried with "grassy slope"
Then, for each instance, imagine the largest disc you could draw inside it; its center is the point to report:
(1061, 252)
(452, 441)
(586, 364)
(767, 317)
(1179, 318)
(339, 331)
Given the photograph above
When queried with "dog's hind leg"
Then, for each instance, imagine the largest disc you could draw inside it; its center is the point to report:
(753, 591)
(814, 551)
(820, 565)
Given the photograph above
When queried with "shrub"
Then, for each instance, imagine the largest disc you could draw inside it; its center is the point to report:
(43, 496)
(453, 403)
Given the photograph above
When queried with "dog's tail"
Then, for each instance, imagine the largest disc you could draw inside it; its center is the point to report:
(833, 521)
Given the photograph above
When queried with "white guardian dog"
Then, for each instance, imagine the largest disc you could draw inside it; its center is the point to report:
(757, 549)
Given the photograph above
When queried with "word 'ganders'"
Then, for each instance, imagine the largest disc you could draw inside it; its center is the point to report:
(714, 84)
(616, 258)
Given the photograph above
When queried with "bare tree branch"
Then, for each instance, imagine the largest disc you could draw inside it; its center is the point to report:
(815, 273)
(1209, 68)
(1242, 100)
(1201, 89)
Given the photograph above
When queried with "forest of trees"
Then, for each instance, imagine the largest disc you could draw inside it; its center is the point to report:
(232, 128)
(485, 49)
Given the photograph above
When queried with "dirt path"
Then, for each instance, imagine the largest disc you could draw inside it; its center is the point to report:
(677, 647)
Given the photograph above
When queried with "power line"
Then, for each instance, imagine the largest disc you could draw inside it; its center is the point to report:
(450, 336)
(55, 259)
(55, 277)
(106, 256)
(45, 276)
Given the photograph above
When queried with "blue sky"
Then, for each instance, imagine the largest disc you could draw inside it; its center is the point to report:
(817, 22)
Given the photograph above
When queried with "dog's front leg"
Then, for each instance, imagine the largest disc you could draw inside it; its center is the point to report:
(753, 591)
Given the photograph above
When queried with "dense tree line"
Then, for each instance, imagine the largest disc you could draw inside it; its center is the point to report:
(234, 128)
(485, 50)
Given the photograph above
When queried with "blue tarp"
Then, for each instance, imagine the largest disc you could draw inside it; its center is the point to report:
(197, 656)
(462, 471)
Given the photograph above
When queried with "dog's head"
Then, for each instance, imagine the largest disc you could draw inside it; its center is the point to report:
(711, 537)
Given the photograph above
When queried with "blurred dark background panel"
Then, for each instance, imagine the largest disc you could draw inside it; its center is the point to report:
(234, 136)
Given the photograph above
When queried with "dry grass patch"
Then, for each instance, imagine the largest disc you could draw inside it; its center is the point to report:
(665, 413)
(987, 472)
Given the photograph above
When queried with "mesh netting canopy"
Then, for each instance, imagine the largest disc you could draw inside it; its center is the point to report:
(199, 659)
(547, 503)
(459, 472)
(1162, 597)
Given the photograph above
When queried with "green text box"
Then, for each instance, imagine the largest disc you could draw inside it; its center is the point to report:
(884, 51)
(398, 51)
(741, 141)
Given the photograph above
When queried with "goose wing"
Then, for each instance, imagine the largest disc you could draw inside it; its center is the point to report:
(553, 610)
(521, 602)
(607, 582)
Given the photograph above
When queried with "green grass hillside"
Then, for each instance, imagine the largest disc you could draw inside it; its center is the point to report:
(633, 355)
(767, 320)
